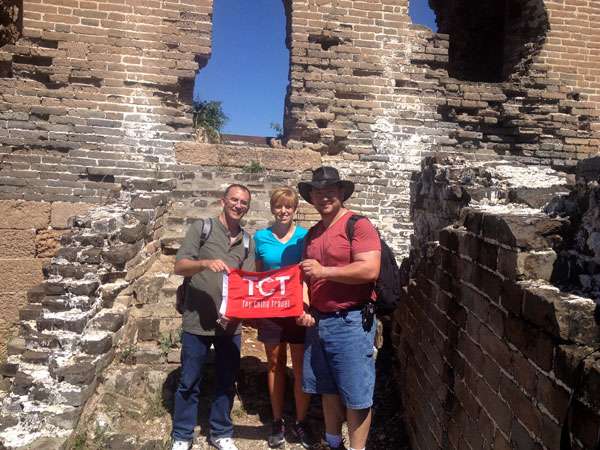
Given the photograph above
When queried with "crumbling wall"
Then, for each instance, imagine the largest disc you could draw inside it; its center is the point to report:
(29, 235)
(488, 348)
(93, 94)
(74, 318)
(96, 92)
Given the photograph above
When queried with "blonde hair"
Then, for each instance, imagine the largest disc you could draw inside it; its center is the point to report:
(284, 196)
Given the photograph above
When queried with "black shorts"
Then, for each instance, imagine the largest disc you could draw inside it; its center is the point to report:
(280, 329)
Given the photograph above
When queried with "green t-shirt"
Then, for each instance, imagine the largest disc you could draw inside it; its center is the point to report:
(203, 295)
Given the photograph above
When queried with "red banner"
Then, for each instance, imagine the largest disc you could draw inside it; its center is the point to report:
(250, 295)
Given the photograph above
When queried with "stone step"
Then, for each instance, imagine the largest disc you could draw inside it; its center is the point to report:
(150, 353)
(95, 342)
(170, 286)
(170, 244)
(35, 340)
(31, 312)
(74, 321)
(187, 214)
(9, 368)
(111, 320)
(36, 294)
(78, 371)
(38, 357)
(187, 192)
(63, 303)
(16, 346)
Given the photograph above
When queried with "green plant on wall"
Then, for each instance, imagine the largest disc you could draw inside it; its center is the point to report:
(127, 355)
(209, 116)
(165, 344)
(254, 167)
(154, 406)
(278, 129)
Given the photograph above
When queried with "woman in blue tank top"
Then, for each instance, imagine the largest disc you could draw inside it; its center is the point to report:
(278, 246)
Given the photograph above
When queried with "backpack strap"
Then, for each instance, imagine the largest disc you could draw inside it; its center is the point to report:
(206, 229)
(204, 234)
(350, 225)
(246, 242)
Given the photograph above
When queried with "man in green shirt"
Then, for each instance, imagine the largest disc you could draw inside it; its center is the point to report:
(204, 259)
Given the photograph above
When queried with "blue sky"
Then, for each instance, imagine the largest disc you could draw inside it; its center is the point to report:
(248, 69)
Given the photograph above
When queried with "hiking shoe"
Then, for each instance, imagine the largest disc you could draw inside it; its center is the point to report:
(324, 445)
(181, 445)
(277, 436)
(224, 443)
(301, 431)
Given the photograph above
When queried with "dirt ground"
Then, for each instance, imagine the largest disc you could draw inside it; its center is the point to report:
(122, 417)
(252, 411)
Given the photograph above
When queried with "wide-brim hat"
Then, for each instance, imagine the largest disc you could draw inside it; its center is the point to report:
(323, 177)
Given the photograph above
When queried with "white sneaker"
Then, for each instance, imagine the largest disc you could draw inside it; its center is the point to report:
(225, 443)
(181, 445)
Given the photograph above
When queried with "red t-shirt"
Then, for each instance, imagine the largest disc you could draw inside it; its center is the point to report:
(331, 248)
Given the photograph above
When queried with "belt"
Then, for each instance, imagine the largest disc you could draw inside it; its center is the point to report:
(345, 310)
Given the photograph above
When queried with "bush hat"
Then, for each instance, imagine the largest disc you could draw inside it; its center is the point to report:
(323, 177)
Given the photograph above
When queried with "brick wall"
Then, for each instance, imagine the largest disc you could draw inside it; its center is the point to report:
(29, 236)
(94, 94)
(74, 316)
(96, 90)
(488, 348)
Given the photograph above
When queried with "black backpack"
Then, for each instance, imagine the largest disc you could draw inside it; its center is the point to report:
(206, 229)
(387, 286)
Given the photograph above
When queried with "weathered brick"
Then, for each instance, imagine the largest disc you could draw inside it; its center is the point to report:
(523, 407)
(19, 275)
(17, 244)
(531, 341)
(511, 297)
(21, 215)
(496, 348)
(525, 374)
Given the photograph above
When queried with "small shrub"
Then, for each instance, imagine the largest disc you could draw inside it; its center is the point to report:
(78, 440)
(101, 433)
(278, 129)
(154, 406)
(127, 355)
(165, 344)
(209, 115)
(177, 336)
(254, 167)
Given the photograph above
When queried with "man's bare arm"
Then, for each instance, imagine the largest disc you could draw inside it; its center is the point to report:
(364, 268)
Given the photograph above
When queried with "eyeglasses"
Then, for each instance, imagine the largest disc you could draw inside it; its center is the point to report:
(234, 201)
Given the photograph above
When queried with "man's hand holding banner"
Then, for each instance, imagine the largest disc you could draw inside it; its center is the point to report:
(275, 293)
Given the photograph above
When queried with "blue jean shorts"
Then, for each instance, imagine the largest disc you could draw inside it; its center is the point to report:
(339, 359)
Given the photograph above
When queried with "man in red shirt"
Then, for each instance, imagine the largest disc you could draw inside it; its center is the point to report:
(338, 359)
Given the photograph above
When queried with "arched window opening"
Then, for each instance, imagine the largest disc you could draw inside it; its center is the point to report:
(420, 13)
(248, 69)
(490, 39)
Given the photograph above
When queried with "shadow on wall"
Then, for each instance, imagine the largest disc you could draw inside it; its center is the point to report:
(491, 39)
(11, 22)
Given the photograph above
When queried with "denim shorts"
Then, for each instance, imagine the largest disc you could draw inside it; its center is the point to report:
(280, 329)
(339, 359)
